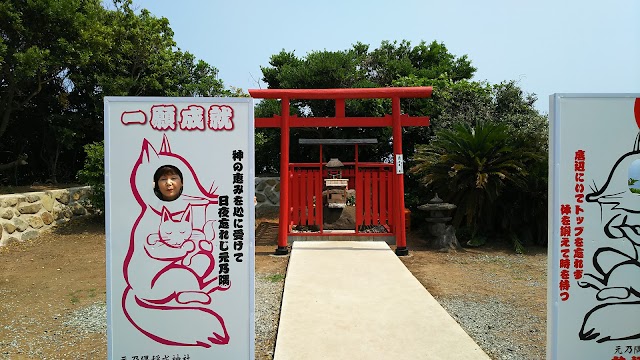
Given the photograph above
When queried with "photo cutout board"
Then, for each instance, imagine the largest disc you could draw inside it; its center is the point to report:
(179, 184)
(594, 227)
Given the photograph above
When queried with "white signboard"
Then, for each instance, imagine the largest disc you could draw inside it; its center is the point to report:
(180, 228)
(399, 164)
(594, 209)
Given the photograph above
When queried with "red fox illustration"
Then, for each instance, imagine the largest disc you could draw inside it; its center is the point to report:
(170, 262)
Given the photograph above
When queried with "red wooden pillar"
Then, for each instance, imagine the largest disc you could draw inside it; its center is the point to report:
(355, 182)
(319, 197)
(285, 205)
(398, 213)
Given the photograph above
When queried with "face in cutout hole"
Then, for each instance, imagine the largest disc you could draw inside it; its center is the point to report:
(168, 184)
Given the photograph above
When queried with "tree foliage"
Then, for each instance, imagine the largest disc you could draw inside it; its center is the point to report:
(40, 41)
(356, 67)
(92, 173)
(58, 61)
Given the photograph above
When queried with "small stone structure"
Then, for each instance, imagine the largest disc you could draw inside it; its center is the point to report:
(443, 236)
(267, 194)
(335, 193)
(25, 216)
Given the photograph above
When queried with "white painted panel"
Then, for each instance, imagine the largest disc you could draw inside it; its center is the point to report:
(594, 220)
(180, 274)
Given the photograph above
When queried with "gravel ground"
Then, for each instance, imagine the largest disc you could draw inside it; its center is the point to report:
(77, 326)
(493, 325)
(268, 299)
(91, 319)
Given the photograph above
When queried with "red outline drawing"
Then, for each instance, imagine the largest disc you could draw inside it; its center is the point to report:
(170, 266)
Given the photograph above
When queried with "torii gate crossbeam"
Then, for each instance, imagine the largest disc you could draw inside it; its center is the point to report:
(396, 121)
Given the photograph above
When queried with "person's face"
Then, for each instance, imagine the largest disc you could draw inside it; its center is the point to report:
(170, 185)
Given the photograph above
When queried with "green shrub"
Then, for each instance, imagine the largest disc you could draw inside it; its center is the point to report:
(92, 174)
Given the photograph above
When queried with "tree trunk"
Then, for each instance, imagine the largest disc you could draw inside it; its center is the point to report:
(21, 160)
(6, 113)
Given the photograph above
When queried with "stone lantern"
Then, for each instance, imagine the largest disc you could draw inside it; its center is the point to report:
(438, 214)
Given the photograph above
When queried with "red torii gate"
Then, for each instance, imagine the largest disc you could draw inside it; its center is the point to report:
(395, 120)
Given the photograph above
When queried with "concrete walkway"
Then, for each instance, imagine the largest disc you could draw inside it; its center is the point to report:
(356, 300)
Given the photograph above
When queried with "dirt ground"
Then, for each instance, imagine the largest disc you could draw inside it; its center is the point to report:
(45, 280)
(51, 277)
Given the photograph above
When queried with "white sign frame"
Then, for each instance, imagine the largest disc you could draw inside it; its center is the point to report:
(592, 298)
(180, 274)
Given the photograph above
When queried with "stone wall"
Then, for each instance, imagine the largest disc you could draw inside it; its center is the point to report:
(267, 194)
(25, 216)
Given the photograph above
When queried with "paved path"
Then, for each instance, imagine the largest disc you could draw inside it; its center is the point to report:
(357, 300)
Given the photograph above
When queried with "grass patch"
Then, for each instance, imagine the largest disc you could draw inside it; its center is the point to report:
(73, 297)
(274, 278)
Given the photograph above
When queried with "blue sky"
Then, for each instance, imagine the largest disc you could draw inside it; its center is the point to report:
(547, 46)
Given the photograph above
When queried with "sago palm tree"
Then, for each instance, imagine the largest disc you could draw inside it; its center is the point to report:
(470, 166)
